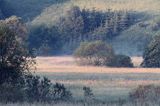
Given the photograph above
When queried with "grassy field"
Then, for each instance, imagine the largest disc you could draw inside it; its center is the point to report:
(77, 104)
(108, 84)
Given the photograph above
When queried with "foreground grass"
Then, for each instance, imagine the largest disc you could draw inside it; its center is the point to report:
(108, 84)
(82, 104)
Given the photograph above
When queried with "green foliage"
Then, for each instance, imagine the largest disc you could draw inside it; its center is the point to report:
(37, 90)
(11, 93)
(148, 93)
(45, 40)
(152, 54)
(34, 89)
(26, 9)
(88, 95)
(94, 53)
(90, 25)
(15, 59)
(79, 25)
(60, 93)
(17, 84)
(42, 90)
(99, 53)
(120, 61)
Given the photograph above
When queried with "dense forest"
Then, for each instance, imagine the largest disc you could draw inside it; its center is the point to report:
(79, 26)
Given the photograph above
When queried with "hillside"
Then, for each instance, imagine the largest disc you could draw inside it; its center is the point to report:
(149, 6)
(130, 41)
(27, 9)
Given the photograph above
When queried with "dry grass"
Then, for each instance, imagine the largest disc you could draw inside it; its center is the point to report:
(67, 64)
(108, 84)
(81, 104)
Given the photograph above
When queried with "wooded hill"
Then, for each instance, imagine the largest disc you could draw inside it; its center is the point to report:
(58, 26)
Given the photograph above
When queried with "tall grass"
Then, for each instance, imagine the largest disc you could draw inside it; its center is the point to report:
(82, 104)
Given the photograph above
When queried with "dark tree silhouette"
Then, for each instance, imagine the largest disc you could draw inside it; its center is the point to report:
(15, 59)
(152, 54)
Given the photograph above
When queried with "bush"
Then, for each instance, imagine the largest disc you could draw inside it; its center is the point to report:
(37, 90)
(60, 93)
(34, 89)
(151, 55)
(88, 95)
(149, 93)
(94, 53)
(120, 61)
(99, 53)
(11, 93)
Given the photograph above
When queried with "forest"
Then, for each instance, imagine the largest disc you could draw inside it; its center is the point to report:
(76, 24)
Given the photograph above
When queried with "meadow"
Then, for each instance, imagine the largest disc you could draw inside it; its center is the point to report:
(108, 84)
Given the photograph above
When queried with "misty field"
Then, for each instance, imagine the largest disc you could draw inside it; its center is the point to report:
(108, 84)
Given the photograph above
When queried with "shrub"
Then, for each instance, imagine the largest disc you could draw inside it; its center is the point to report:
(151, 55)
(94, 53)
(88, 95)
(99, 53)
(60, 93)
(11, 93)
(88, 92)
(42, 90)
(120, 61)
(37, 90)
(149, 93)
(34, 89)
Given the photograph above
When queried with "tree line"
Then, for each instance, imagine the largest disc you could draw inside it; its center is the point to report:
(79, 25)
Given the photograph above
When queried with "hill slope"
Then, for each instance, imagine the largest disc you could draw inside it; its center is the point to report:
(51, 13)
(27, 9)
(131, 41)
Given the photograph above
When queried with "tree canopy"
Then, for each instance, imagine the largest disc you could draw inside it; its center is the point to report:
(15, 59)
(95, 53)
(151, 55)
(99, 53)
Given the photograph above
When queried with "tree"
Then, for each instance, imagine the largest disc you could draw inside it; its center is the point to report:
(15, 63)
(99, 53)
(94, 53)
(151, 55)
(17, 84)
(45, 40)
(120, 61)
(16, 25)
(15, 59)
